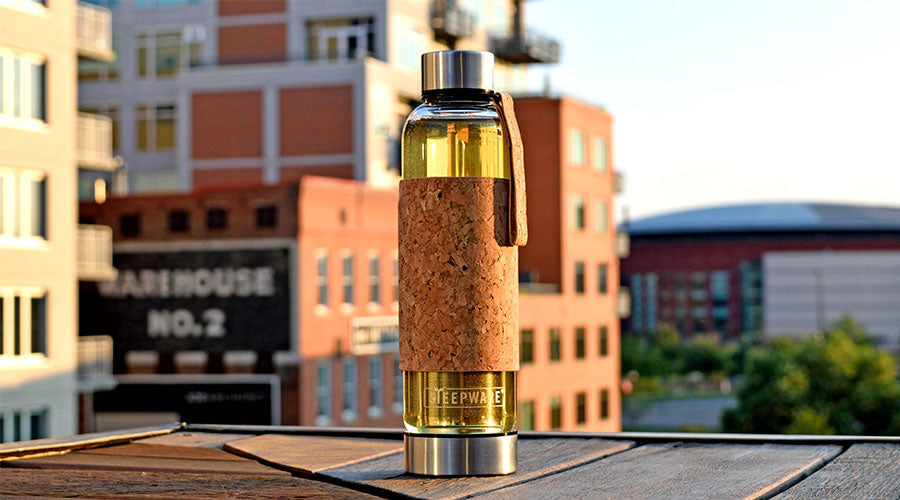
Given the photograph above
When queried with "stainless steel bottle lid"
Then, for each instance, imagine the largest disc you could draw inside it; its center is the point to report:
(457, 69)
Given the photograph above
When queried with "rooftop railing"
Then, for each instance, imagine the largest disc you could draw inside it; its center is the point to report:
(526, 47)
(94, 32)
(623, 244)
(95, 253)
(94, 142)
(448, 20)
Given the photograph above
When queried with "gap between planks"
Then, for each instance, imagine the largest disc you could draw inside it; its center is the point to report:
(790, 483)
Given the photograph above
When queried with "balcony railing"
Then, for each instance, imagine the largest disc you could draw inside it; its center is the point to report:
(526, 47)
(95, 363)
(449, 21)
(623, 244)
(94, 142)
(93, 32)
(618, 182)
(623, 302)
(95, 253)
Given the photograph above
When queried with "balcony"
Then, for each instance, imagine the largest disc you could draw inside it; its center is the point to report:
(95, 363)
(93, 33)
(623, 244)
(95, 253)
(526, 47)
(451, 22)
(94, 142)
(623, 303)
(618, 182)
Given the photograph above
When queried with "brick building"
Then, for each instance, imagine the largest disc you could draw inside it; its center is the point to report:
(225, 92)
(333, 339)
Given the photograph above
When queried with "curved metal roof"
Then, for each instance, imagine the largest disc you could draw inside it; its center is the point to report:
(770, 217)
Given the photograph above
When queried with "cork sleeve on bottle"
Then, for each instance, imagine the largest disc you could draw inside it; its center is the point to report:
(459, 281)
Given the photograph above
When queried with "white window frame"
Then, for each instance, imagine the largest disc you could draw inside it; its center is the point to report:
(374, 279)
(395, 262)
(16, 204)
(349, 388)
(323, 392)
(25, 415)
(23, 119)
(574, 158)
(7, 353)
(600, 154)
(601, 216)
(397, 405)
(577, 200)
(321, 280)
(376, 387)
(346, 281)
(187, 35)
(151, 115)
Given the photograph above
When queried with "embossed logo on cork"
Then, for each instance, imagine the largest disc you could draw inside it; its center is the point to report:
(457, 397)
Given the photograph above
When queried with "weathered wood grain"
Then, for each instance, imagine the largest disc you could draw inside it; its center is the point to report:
(194, 439)
(309, 454)
(19, 483)
(863, 471)
(537, 457)
(674, 470)
(164, 451)
(96, 461)
(25, 448)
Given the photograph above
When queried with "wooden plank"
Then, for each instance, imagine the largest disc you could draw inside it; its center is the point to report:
(49, 445)
(95, 461)
(164, 451)
(863, 471)
(193, 439)
(19, 483)
(306, 455)
(675, 470)
(537, 458)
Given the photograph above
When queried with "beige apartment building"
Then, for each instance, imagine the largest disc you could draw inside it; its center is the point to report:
(224, 92)
(43, 251)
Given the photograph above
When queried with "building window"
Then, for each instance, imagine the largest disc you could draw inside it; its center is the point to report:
(602, 279)
(38, 421)
(179, 221)
(576, 147)
(398, 386)
(375, 410)
(323, 392)
(156, 127)
(347, 278)
(579, 342)
(322, 277)
(600, 154)
(601, 216)
(603, 334)
(555, 343)
(637, 304)
(23, 321)
(579, 277)
(2, 428)
(527, 352)
(23, 205)
(720, 288)
(217, 218)
(651, 281)
(23, 86)
(341, 39)
(410, 45)
(23, 425)
(581, 408)
(555, 413)
(604, 404)
(130, 224)
(374, 279)
(166, 53)
(267, 216)
(578, 212)
(526, 415)
(349, 389)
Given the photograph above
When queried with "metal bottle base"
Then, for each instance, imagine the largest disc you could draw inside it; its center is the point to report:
(460, 455)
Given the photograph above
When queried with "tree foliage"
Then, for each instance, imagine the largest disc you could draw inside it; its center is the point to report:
(836, 382)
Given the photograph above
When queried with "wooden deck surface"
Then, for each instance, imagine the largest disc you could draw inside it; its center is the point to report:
(181, 461)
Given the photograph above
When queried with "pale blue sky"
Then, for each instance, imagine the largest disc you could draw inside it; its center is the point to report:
(722, 101)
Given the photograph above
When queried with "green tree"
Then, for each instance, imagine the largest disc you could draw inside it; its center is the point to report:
(836, 382)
